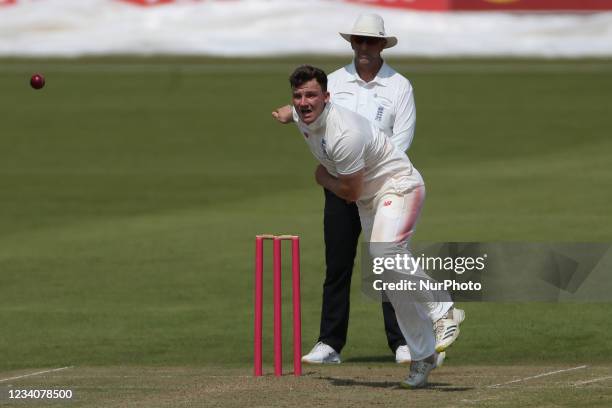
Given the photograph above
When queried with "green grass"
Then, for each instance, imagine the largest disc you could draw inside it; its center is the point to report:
(131, 189)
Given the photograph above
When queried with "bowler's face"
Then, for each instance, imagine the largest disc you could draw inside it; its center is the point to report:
(309, 101)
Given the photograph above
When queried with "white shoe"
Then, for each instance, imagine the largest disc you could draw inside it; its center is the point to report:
(417, 378)
(447, 329)
(321, 353)
(458, 315)
(402, 355)
(440, 357)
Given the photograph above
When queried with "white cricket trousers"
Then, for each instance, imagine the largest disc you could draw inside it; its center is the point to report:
(388, 222)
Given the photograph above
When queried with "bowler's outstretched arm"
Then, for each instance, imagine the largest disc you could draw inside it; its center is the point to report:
(283, 114)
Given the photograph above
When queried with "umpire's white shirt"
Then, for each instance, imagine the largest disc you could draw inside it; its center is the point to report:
(345, 142)
(386, 101)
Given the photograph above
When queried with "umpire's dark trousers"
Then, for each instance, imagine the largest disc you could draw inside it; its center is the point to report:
(341, 230)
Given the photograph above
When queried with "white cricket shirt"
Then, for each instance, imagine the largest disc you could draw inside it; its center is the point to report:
(387, 101)
(345, 142)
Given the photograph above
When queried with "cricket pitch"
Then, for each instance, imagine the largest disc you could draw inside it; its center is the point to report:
(321, 386)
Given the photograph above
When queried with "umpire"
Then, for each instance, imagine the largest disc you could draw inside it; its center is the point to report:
(371, 88)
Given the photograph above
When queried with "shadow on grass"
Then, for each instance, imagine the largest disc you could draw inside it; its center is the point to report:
(347, 382)
(446, 387)
(370, 359)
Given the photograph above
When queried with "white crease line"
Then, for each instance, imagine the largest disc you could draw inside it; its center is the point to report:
(205, 376)
(33, 374)
(538, 376)
(592, 381)
(474, 401)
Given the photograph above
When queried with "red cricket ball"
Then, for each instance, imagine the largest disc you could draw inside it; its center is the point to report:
(37, 81)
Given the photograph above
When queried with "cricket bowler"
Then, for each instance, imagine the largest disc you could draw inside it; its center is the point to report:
(359, 164)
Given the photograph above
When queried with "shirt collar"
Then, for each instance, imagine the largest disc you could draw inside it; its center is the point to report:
(379, 79)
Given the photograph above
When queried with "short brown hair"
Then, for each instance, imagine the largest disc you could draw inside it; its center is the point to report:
(305, 73)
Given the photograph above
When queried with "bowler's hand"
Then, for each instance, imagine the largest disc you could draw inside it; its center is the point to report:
(283, 114)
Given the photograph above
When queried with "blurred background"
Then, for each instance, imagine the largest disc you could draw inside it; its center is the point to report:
(537, 28)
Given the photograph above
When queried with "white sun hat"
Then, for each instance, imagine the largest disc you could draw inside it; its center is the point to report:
(370, 25)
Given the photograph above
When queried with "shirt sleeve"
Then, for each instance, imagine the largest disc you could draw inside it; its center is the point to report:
(348, 152)
(405, 119)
